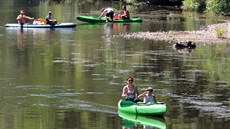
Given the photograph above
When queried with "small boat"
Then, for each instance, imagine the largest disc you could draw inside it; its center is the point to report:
(58, 25)
(95, 19)
(133, 119)
(157, 109)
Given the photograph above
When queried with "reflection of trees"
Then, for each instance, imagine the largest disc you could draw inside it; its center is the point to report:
(27, 2)
(43, 117)
(194, 21)
(188, 74)
(217, 67)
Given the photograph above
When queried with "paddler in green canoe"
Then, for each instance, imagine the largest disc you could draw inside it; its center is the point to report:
(125, 14)
(130, 91)
(108, 12)
(122, 15)
(148, 95)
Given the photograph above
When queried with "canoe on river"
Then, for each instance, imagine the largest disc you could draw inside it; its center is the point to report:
(58, 25)
(95, 19)
(157, 109)
(132, 119)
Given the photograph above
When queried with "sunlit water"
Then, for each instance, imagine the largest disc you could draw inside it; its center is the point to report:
(72, 78)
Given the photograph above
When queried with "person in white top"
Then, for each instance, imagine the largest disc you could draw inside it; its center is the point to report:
(148, 95)
(109, 12)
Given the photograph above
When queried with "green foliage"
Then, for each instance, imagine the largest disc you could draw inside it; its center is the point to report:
(193, 5)
(190, 19)
(219, 7)
(159, 2)
(221, 32)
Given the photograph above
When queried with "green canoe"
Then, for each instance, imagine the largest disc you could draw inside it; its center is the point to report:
(95, 19)
(158, 108)
(129, 120)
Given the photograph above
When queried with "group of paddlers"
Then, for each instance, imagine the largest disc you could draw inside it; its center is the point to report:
(21, 18)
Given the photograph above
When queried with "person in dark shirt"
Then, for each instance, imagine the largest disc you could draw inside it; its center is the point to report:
(49, 20)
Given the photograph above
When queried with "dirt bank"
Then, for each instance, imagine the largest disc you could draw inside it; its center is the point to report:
(207, 35)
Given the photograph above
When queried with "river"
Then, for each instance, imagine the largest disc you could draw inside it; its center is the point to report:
(73, 78)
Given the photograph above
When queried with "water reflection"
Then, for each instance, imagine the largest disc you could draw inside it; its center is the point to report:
(27, 36)
(20, 38)
(90, 75)
(183, 50)
(108, 32)
(112, 29)
(133, 121)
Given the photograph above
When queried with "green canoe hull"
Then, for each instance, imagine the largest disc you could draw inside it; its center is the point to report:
(156, 109)
(95, 19)
(132, 119)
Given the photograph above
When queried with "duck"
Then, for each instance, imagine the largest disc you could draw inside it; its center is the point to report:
(188, 44)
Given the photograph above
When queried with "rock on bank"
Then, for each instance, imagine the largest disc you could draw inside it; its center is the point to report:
(208, 34)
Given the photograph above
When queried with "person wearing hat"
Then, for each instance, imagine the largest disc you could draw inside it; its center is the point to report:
(49, 20)
(130, 91)
(148, 96)
(21, 18)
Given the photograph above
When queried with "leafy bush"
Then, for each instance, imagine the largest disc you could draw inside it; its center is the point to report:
(161, 2)
(194, 5)
(219, 7)
(221, 32)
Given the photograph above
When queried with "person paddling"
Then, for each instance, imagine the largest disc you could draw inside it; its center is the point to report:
(130, 91)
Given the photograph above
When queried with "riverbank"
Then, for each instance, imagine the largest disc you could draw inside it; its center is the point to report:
(211, 34)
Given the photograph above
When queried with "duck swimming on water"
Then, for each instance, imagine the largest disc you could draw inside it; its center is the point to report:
(188, 44)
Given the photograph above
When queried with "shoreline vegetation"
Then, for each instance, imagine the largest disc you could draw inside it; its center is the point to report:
(210, 34)
(217, 7)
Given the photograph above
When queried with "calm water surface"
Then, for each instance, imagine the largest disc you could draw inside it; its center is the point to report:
(72, 78)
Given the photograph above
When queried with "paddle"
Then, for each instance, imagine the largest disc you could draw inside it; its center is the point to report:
(42, 20)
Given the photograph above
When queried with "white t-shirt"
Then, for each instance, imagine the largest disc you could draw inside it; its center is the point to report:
(148, 99)
(108, 10)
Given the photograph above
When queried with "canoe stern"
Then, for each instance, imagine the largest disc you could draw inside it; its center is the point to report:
(151, 109)
(157, 109)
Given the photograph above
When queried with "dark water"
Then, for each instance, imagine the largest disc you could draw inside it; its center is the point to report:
(72, 78)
